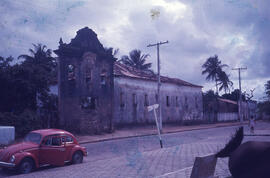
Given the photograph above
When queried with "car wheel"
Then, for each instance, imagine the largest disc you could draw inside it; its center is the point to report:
(77, 158)
(26, 166)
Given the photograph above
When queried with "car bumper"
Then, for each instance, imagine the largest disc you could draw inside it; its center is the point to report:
(8, 165)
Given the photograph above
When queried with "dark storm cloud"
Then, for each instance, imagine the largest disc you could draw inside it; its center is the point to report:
(237, 31)
(251, 19)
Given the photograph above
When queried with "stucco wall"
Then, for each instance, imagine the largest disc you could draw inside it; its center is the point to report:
(227, 116)
(178, 103)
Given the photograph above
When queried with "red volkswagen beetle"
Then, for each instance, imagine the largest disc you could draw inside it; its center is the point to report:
(41, 148)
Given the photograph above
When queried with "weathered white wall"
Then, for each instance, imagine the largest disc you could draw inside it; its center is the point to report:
(227, 116)
(7, 134)
(186, 109)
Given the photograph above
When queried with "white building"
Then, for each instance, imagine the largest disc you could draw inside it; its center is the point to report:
(134, 90)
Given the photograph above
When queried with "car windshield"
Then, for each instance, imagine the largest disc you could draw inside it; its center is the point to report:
(32, 137)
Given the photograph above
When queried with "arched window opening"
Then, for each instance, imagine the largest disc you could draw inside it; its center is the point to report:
(88, 74)
(103, 76)
(71, 72)
(89, 102)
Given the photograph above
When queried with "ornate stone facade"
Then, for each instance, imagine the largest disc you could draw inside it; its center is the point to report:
(85, 84)
(96, 93)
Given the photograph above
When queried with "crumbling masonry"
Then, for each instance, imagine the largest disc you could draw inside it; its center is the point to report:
(96, 93)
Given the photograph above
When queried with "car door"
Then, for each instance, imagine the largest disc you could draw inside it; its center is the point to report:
(52, 151)
(69, 144)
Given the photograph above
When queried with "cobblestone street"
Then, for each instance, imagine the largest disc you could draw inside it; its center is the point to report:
(142, 157)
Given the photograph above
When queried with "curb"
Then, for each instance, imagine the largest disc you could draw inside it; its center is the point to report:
(167, 132)
(257, 135)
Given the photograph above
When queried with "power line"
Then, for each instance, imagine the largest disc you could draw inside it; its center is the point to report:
(158, 86)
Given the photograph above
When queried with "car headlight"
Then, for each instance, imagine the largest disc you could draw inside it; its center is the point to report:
(12, 159)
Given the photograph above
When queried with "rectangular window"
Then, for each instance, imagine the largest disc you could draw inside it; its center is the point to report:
(69, 139)
(122, 103)
(146, 101)
(186, 102)
(168, 101)
(176, 101)
(134, 99)
(196, 102)
(71, 72)
(156, 97)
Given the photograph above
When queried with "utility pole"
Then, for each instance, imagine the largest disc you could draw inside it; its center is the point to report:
(158, 86)
(240, 92)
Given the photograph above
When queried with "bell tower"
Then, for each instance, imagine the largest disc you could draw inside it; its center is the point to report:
(85, 84)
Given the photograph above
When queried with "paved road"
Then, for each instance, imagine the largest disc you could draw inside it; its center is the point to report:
(142, 156)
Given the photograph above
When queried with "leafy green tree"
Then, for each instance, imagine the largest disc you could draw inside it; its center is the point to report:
(41, 59)
(5, 62)
(210, 105)
(24, 122)
(234, 95)
(40, 69)
(15, 90)
(39, 55)
(6, 83)
(267, 89)
(213, 68)
(49, 111)
(264, 106)
(137, 60)
(209, 95)
(22, 85)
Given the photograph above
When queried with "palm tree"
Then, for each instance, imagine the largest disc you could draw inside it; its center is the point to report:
(38, 55)
(136, 60)
(224, 81)
(213, 68)
(40, 58)
(41, 70)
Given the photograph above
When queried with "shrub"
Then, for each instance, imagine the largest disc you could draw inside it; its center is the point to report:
(23, 122)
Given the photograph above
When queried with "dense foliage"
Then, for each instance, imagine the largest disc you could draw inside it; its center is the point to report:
(267, 89)
(24, 90)
(23, 122)
(264, 106)
(234, 95)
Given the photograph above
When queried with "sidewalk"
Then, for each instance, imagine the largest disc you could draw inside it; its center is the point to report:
(148, 130)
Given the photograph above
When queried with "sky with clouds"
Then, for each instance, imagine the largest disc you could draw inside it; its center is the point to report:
(236, 30)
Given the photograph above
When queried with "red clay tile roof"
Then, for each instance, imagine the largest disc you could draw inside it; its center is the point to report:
(122, 70)
(227, 101)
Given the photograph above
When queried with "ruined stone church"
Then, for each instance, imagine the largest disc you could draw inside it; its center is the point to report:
(97, 93)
